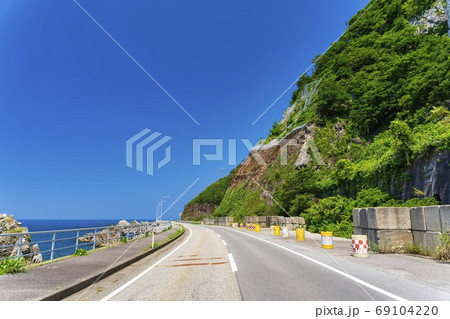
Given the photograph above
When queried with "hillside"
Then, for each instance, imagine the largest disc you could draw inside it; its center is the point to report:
(376, 107)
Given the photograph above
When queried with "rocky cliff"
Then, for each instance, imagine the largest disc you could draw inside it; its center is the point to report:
(30, 252)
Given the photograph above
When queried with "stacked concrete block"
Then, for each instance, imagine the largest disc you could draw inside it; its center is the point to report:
(224, 221)
(397, 226)
(385, 226)
(209, 221)
(261, 220)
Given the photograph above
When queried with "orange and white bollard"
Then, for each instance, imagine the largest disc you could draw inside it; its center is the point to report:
(360, 246)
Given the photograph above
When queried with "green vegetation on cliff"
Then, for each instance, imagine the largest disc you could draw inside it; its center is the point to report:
(381, 101)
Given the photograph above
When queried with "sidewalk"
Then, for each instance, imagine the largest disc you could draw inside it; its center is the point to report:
(59, 279)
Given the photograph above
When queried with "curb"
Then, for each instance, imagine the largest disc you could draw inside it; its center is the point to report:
(86, 282)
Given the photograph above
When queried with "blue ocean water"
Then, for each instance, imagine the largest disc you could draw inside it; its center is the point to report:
(65, 240)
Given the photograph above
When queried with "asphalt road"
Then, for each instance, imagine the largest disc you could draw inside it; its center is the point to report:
(196, 267)
(274, 268)
(218, 263)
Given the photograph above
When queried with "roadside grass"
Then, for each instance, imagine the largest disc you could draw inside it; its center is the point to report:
(12, 266)
(443, 251)
(156, 244)
(80, 252)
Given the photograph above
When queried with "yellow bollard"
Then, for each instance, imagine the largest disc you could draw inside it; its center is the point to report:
(257, 228)
(327, 239)
(276, 230)
(300, 234)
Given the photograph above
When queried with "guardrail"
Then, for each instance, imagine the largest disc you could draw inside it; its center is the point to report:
(59, 243)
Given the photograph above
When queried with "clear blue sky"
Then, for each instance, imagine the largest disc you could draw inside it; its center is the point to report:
(70, 97)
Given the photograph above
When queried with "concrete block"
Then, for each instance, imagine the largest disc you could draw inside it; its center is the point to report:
(419, 239)
(392, 218)
(372, 221)
(417, 219)
(372, 236)
(355, 214)
(394, 238)
(358, 231)
(432, 218)
(363, 222)
(433, 239)
(444, 212)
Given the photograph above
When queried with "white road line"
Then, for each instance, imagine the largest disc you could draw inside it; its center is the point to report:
(361, 282)
(115, 292)
(223, 241)
(218, 235)
(232, 263)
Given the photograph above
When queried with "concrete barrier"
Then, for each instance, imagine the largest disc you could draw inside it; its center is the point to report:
(399, 226)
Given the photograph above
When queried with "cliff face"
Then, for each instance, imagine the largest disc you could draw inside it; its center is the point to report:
(262, 156)
(430, 174)
(198, 211)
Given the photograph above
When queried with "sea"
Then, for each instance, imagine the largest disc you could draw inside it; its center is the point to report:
(64, 241)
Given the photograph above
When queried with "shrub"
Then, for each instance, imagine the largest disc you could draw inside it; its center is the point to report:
(333, 214)
(443, 250)
(11, 266)
(80, 252)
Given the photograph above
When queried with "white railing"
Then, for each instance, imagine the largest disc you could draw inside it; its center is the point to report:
(65, 242)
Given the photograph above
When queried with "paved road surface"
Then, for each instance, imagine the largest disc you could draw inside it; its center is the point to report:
(195, 268)
(217, 263)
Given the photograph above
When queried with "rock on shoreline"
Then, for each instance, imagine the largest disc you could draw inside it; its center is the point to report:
(9, 225)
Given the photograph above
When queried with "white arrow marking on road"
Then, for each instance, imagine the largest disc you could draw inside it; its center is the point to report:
(384, 292)
(115, 292)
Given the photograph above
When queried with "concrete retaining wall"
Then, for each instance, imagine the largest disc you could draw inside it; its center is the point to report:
(398, 226)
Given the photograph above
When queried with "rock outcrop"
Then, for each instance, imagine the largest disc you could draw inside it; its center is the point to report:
(433, 17)
(30, 252)
(101, 238)
(431, 175)
(198, 211)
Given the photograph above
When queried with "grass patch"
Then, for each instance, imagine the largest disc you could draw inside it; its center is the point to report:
(80, 252)
(12, 266)
(17, 230)
(443, 251)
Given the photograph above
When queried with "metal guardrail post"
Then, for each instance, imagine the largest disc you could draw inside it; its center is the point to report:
(118, 236)
(76, 241)
(95, 238)
(53, 246)
(108, 235)
(19, 249)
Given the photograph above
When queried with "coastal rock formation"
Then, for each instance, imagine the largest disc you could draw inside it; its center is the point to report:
(101, 238)
(30, 252)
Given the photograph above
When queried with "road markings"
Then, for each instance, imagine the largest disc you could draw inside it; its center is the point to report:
(218, 235)
(223, 241)
(361, 282)
(115, 292)
(232, 263)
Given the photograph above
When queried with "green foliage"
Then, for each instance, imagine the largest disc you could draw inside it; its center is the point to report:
(241, 202)
(331, 214)
(80, 252)
(443, 250)
(214, 193)
(177, 233)
(123, 240)
(415, 202)
(11, 266)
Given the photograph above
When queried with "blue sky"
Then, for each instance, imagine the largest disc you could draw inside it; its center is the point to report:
(70, 97)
